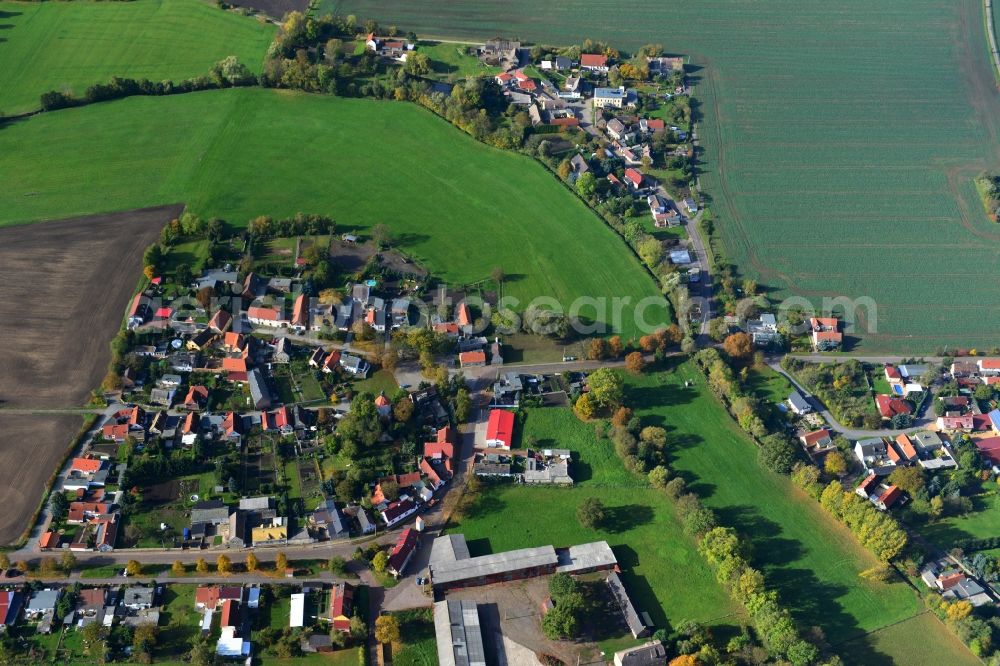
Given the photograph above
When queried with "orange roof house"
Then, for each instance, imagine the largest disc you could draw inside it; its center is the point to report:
(232, 425)
(816, 438)
(341, 606)
(230, 613)
(191, 424)
(593, 61)
(300, 312)
(256, 313)
(634, 177)
(448, 328)
(906, 447)
(86, 465)
(234, 364)
(891, 495)
(220, 321)
(234, 341)
(472, 358)
(825, 332)
(206, 596)
(196, 397)
(866, 487)
(442, 446)
(889, 406)
(331, 361)
(462, 315)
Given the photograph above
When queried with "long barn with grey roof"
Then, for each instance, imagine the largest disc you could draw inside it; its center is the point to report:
(451, 566)
(459, 634)
(632, 619)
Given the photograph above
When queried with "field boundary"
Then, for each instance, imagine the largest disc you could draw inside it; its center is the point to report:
(991, 37)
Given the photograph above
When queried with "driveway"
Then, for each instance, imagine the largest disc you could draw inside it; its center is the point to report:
(849, 433)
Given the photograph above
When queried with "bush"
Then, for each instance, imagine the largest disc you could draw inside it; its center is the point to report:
(675, 488)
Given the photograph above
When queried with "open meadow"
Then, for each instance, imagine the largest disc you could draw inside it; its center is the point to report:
(67, 46)
(662, 569)
(839, 140)
(922, 639)
(457, 206)
(811, 560)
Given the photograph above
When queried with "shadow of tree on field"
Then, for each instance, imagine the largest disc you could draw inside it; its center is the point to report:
(619, 519)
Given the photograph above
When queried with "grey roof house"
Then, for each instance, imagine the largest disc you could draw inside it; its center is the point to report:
(214, 512)
(139, 598)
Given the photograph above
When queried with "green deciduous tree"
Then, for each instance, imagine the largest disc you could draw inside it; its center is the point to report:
(591, 512)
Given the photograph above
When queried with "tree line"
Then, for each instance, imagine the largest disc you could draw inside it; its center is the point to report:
(643, 449)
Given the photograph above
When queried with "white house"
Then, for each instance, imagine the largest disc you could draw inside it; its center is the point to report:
(798, 404)
(614, 97)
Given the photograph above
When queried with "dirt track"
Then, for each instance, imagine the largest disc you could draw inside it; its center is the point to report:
(64, 288)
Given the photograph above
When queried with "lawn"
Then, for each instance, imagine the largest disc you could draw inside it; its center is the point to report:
(115, 570)
(416, 633)
(312, 391)
(292, 478)
(643, 530)
(382, 380)
(69, 46)
(192, 253)
(811, 560)
(981, 523)
(450, 62)
(825, 151)
(769, 385)
(208, 149)
(879, 383)
(179, 621)
(525, 348)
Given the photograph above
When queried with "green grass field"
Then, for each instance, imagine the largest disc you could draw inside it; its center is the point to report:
(68, 46)
(456, 205)
(452, 63)
(919, 640)
(811, 560)
(664, 573)
(981, 523)
(838, 137)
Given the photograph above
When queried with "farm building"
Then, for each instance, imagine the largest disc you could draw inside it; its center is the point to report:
(458, 633)
(403, 551)
(451, 567)
(636, 624)
(500, 429)
(648, 654)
